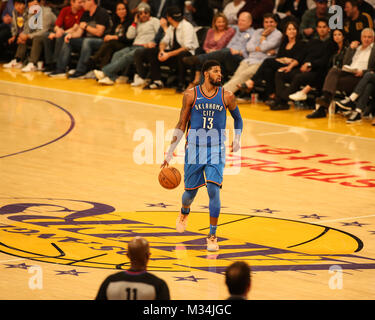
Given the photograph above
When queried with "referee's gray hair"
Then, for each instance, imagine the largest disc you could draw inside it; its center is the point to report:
(370, 30)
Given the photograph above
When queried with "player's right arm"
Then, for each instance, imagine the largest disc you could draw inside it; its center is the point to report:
(180, 128)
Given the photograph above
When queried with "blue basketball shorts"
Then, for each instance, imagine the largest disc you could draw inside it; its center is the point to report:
(203, 164)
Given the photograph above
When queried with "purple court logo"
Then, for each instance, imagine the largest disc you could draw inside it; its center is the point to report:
(91, 234)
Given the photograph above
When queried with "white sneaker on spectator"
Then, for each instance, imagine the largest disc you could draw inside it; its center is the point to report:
(29, 67)
(71, 71)
(122, 80)
(138, 81)
(99, 74)
(298, 96)
(107, 81)
(13, 64)
(89, 75)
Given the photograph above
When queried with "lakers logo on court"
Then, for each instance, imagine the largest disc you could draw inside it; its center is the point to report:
(90, 234)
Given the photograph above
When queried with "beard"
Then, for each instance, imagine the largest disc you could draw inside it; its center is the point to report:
(216, 83)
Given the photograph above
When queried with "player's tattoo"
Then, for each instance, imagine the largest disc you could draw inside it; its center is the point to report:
(184, 113)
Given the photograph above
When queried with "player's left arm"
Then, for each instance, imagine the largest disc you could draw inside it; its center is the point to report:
(231, 103)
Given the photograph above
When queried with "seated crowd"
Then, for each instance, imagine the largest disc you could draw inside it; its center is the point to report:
(283, 50)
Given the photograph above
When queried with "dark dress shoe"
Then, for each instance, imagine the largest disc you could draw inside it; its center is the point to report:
(318, 113)
(278, 107)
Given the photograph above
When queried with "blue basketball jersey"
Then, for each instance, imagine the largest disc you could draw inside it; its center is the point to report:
(208, 118)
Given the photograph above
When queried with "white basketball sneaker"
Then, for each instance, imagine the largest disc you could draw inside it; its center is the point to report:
(30, 67)
(212, 245)
(181, 222)
(138, 81)
(99, 74)
(13, 64)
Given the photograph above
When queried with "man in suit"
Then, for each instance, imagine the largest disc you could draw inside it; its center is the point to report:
(358, 59)
(238, 280)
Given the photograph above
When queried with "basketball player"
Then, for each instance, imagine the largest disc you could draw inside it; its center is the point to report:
(135, 283)
(203, 113)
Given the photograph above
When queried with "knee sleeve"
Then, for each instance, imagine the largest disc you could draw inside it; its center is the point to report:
(214, 195)
(188, 197)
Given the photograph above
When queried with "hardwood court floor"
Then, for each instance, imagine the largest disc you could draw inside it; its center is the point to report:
(79, 166)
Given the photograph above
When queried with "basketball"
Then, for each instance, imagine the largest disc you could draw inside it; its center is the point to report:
(169, 177)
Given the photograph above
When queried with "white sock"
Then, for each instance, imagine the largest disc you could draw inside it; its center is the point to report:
(353, 96)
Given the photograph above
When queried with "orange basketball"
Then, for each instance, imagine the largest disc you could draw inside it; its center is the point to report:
(169, 177)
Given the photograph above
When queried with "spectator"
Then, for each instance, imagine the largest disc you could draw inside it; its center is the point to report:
(217, 37)
(356, 21)
(34, 36)
(310, 18)
(231, 10)
(18, 20)
(288, 57)
(257, 9)
(116, 39)
(358, 101)
(142, 55)
(143, 31)
(231, 56)
(238, 280)
(67, 22)
(313, 67)
(263, 44)
(135, 283)
(341, 45)
(88, 37)
(6, 11)
(357, 61)
(179, 41)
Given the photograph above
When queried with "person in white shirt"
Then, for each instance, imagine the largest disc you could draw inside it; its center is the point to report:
(143, 31)
(263, 44)
(357, 61)
(180, 41)
(231, 11)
